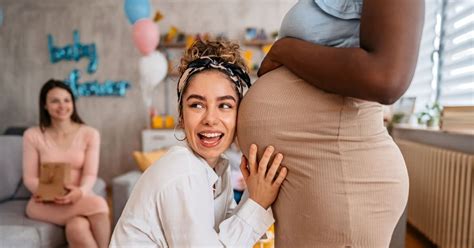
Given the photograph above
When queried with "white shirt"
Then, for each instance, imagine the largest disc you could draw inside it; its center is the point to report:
(174, 204)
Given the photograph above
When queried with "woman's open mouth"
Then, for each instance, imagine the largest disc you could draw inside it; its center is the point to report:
(210, 139)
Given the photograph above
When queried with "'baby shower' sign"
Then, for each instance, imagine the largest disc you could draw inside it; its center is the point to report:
(75, 52)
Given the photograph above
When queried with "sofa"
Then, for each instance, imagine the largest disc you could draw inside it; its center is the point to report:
(17, 230)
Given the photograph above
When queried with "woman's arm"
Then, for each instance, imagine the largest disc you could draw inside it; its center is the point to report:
(182, 215)
(380, 70)
(188, 221)
(178, 208)
(91, 162)
(30, 162)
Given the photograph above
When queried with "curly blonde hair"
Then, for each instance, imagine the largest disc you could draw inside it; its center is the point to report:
(227, 50)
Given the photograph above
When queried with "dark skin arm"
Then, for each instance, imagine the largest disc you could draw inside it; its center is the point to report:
(380, 70)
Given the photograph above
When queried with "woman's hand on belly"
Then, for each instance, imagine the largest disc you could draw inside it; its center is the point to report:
(263, 184)
(74, 194)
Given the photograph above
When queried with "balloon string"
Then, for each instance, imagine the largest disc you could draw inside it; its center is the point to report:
(167, 98)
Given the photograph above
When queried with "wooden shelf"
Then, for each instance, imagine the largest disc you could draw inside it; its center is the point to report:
(254, 43)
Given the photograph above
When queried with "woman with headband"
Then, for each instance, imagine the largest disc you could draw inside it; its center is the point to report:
(185, 199)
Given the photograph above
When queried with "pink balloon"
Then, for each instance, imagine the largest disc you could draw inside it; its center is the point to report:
(145, 36)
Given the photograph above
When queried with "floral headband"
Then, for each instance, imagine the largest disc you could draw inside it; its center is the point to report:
(236, 74)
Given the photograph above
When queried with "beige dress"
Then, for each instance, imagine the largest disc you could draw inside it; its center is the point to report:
(83, 155)
(347, 184)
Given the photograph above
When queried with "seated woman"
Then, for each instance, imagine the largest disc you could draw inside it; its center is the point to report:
(185, 199)
(63, 137)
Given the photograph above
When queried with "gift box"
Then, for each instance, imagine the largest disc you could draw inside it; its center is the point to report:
(53, 178)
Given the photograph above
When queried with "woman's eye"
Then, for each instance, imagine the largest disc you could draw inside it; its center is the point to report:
(226, 106)
(196, 105)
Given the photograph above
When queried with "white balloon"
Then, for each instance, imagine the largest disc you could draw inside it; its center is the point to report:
(153, 69)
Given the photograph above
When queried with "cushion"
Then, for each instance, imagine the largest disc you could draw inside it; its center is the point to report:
(100, 187)
(122, 187)
(145, 159)
(11, 152)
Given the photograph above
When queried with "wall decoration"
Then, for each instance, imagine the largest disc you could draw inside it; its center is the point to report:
(93, 88)
(1, 17)
(153, 65)
(74, 51)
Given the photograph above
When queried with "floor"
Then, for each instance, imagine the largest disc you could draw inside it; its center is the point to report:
(414, 239)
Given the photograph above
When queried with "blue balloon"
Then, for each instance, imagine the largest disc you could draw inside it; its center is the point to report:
(136, 10)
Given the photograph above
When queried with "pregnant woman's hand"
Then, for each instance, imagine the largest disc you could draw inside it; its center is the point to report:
(263, 184)
(74, 194)
(270, 61)
(268, 64)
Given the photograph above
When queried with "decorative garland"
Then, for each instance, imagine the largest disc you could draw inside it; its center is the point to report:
(75, 52)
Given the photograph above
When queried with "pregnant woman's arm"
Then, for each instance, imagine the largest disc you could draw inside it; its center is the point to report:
(380, 70)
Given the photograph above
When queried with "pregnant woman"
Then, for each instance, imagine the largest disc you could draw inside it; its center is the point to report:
(319, 101)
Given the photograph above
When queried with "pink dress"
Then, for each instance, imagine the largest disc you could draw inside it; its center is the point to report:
(83, 155)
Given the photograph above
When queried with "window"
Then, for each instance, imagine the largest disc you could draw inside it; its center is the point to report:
(424, 83)
(457, 54)
(445, 69)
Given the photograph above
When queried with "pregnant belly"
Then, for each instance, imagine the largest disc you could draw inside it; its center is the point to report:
(281, 108)
(299, 120)
(328, 142)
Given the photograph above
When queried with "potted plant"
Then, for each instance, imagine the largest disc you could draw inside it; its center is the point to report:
(431, 115)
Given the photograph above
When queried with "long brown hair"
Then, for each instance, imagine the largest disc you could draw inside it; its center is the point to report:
(44, 117)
